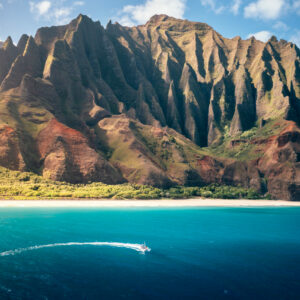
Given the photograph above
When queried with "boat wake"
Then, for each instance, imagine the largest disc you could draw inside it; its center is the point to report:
(137, 247)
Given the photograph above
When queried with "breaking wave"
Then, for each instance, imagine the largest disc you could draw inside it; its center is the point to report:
(136, 247)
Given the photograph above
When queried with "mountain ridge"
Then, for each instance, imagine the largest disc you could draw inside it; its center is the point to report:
(168, 102)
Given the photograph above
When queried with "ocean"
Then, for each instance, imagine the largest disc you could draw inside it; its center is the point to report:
(196, 253)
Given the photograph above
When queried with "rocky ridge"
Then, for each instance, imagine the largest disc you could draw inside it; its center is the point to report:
(168, 102)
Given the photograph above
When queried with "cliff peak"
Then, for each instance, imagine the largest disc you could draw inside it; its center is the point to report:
(84, 19)
(22, 43)
(8, 43)
(159, 18)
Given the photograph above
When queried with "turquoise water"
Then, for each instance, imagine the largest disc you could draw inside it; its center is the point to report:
(196, 253)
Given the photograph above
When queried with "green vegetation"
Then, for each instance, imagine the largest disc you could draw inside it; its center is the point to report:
(24, 185)
(246, 145)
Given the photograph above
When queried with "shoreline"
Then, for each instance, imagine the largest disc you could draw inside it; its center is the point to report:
(196, 202)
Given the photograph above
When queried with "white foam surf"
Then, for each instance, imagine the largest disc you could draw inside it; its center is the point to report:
(137, 247)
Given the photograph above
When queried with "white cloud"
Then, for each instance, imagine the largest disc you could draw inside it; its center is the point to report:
(54, 11)
(213, 6)
(281, 26)
(217, 7)
(296, 6)
(40, 8)
(62, 12)
(79, 3)
(140, 14)
(1, 5)
(296, 38)
(126, 20)
(62, 15)
(263, 36)
(236, 6)
(265, 9)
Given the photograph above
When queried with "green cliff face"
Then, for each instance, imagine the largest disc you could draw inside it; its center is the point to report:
(169, 102)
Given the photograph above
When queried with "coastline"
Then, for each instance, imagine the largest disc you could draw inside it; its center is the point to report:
(196, 202)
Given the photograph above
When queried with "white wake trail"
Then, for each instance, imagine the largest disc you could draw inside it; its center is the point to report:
(137, 247)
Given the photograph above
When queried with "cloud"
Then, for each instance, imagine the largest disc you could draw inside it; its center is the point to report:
(296, 6)
(54, 11)
(265, 9)
(140, 14)
(1, 5)
(218, 8)
(281, 26)
(296, 38)
(79, 3)
(236, 6)
(40, 8)
(263, 36)
(126, 21)
(62, 15)
(213, 6)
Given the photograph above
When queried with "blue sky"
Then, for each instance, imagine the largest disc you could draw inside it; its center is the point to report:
(261, 18)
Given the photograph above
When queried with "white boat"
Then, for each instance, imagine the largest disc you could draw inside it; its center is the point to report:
(145, 248)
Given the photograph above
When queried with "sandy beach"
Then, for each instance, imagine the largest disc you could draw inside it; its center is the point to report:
(148, 203)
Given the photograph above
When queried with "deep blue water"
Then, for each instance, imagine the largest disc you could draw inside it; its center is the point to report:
(198, 253)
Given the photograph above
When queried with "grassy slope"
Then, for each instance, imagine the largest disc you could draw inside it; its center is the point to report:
(247, 148)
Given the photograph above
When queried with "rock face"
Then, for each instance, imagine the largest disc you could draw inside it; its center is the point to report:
(67, 156)
(168, 102)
